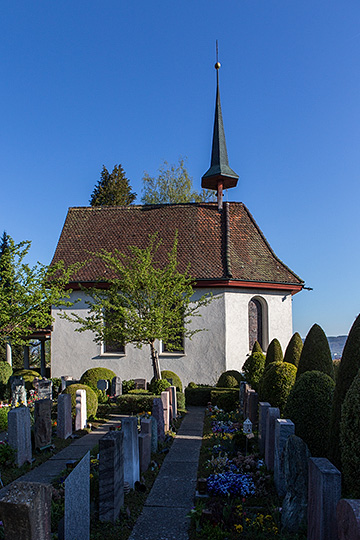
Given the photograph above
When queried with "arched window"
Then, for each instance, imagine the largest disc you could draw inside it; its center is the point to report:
(257, 323)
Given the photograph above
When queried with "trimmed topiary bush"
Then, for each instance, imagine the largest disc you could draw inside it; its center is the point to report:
(336, 364)
(156, 387)
(180, 399)
(254, 369)
(135, 404)
(166, 374)
(226, 399)
(274, 352)
(316, 355)
(348, 369)
(277, 381)
(5, 374)
(256, 347)
(28, 375)
(93, 375)
(199, 396)
(350, 439)
(91, 398)
(229, 379)
(293, 350)
(309, 406)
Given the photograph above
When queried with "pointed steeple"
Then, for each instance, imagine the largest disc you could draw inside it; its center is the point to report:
(220, 176)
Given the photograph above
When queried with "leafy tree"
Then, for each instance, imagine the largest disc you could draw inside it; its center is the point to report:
(172, 185)
(348, 369)
(27, 294)
(112, 189)
(274, 352)
(316, 354)
(143, 302)
(293, 350)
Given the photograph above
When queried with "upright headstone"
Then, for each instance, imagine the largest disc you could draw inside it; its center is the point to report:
(102, 384)
(158, 414)
(263, 407)
(294, 506)
(242, 395)
(140, 384)
(348, 519)
(64, 420)
(144, 451)
(42, 427)
(247, 388)
(131, 451)
(64, 382)
(77, 502)
(165, 398)
(171, 411)
(19, 434)
(173, 400)
(111, 475)
(253, 404)
(154, 434)
(44, 388)
(324, 494)
(116, 387)
(18, 392)
(283, 430)
(25, 510)
(80, 410)
(272, 414)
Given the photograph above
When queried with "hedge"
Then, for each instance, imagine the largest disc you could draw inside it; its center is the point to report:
(225, 398)
(135, 403)
(199, 396)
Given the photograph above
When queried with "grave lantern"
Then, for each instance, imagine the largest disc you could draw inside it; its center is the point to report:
(247, 426)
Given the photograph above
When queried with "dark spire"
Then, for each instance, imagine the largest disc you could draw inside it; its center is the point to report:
(220, 176)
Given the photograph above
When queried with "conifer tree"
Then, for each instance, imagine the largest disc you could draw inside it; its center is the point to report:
(316, 355)
(348, 369)
(274, 352)
(350, 439)
(112, 189)
(256, 348)
(293, 350)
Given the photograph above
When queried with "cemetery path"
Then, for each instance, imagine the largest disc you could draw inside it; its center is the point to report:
(172, 495)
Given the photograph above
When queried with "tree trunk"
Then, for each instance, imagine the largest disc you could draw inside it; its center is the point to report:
(155, 362)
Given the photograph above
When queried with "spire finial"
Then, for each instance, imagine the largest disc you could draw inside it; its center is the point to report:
(217, 65)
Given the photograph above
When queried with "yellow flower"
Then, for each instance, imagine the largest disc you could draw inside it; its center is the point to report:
(239, 528)
(91, 476)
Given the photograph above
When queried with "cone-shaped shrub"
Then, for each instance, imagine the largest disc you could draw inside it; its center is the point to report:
(254, 368)
(256, 347)
(276, 383)
(274, 353)
(350, 439)
(349, 366)
(316, 355)
(309, 406)
(293, 350)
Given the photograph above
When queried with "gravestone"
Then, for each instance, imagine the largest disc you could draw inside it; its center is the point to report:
(116, 387)
(283, 430)
(144, 451)
(111, 475)
(173, 400)
(131, 451)
(19, 434)
(44, 388)
(64, 382)
(171, 410)
(348, 519)
(64, 420)
(103, 385)
(165, 398)
(140, 384)
(154, 434)
(263, 407)
(158, 414)
(77, 502)
(272, 414)
(25, 510)
(242, 395)
(294, 506)
(80, 410)
(18, 392)
(253, 404)
(324, 494)
(42, 427)
(247, 388)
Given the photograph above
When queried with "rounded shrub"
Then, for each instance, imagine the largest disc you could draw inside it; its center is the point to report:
(170, 375)
(5, 374)
(350, 439)
(28, 375)
(293, 350)
(156, 387)
(276, 383)
(91, 398)
(254, 369)
(229, 379)
(256, 347)
(316, 355)
(274, 352)
(127, 386)
(192, 385)
(309, 406)
(93, 375)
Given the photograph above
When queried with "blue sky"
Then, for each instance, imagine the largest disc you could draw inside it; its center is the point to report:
(87, 83)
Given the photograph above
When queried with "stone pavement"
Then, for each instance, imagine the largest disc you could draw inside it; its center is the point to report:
(172, 495)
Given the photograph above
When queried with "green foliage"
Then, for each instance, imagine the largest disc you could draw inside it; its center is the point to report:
(166, 374)
(274, 352)
(143, 302)
(28, 375)
(336, 364)
(4, 411)
(180, 398)
(316, 355)
(293, 350)
(158, 386)
(127, 386)
(56, 384)
(349, 367)
(91, 398)
(134, 404)
(139, 391)
(7, 455)
(112, 189)
(276, 383)
(229, 379)
(192, 385)
(256, 347)
(5, 374)
(27, 294)
(253, 369)
(350, 439)
(93, 375)
(226, 399)
(199, 396)
(172, 185)
(309, 406)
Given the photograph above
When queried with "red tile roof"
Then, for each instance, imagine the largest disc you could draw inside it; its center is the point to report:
(218, 246)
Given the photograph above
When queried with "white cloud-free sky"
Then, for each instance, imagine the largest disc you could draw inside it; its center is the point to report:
(87, 83)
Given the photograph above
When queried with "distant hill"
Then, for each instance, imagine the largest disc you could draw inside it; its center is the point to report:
(336, 345)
